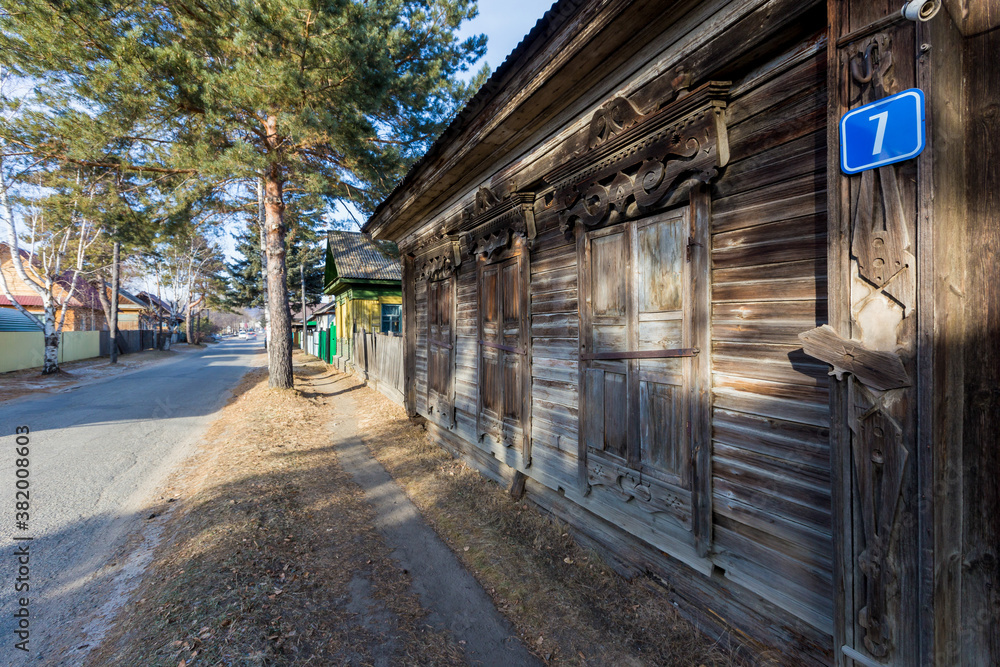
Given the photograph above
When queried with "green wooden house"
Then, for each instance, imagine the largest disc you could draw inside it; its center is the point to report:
(364, 277)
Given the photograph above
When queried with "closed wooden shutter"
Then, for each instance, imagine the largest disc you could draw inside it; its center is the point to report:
(635, 368)
(440, 348)
(606, 379)
(503, 338)
(662, 405)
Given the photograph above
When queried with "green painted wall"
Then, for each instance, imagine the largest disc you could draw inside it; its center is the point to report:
(22, 349)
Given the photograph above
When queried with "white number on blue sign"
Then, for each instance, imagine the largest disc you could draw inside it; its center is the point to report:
(883, 132)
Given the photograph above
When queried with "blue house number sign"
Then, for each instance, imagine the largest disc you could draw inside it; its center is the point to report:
(883, 132)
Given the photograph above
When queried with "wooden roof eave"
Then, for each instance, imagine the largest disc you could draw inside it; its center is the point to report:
(342, 284)
(422, 206)
(526, 82)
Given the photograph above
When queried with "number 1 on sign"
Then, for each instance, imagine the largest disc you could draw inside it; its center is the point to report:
(880, 132)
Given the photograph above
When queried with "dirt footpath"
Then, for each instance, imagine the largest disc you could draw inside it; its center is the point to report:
(286, 542)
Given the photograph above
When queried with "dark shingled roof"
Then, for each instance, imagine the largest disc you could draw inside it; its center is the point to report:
(359, 258)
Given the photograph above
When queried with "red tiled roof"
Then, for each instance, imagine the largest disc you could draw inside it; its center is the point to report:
(23, 299)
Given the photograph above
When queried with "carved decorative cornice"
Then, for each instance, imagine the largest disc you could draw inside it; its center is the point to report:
(494, 222)
(612, 119)
(441, 262)
(636, 163)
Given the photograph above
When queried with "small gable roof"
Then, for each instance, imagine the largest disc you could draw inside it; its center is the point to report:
(324, 308)
(356, 257)
(311, 309)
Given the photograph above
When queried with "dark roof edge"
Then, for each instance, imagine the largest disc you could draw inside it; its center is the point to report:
(560, 12)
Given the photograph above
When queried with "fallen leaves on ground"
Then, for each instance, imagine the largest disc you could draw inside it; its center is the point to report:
(568, 605)
(262, 560)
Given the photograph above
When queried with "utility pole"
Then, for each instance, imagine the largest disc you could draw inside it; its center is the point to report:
(115, 276)
(302, 338)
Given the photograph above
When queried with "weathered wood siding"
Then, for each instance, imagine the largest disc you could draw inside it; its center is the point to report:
(555, 345)
(466, 352)
(766, 543)
(771, 458)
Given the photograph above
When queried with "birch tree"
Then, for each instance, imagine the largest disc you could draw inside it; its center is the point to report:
(187, 266)
(51, 266)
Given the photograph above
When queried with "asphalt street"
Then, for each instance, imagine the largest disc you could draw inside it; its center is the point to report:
(97, 455)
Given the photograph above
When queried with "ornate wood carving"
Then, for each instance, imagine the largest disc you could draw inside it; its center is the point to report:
(495, 222)
(872, 345)
(879, 462)
(612, 119)
(485, 199)
(631, 486)
(637, 163)
(880, 243)
(878, 370)
(441, 262)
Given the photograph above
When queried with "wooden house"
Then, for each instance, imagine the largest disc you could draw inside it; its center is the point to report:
(637, 281)
(158, 313)
(363, 276)
(133, 313)
(83, 306)
(300, 329)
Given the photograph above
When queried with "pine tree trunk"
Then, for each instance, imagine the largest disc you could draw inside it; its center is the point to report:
(280, 335)
(113, 324)
(51, 363)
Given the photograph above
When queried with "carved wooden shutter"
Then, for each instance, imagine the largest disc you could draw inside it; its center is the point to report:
(440, 346)
(503, 354)
(607, 379)
(510, 291)
(662, 406)
(635, 369)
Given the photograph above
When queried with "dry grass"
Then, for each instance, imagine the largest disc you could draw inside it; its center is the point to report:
(568, 605)
(262, 559)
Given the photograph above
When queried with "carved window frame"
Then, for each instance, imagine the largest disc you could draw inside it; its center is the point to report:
(638, 163)
(498, 229)
(438, 269)
(518, 253)
(633, 477)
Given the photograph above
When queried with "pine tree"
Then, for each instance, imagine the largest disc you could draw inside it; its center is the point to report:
(246, 286)
(326, 100)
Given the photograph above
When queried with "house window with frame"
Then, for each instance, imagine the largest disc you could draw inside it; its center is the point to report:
(391, 318)
(636, 352)
(503, 348)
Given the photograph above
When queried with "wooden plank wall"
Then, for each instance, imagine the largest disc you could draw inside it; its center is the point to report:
(980, 520)
(467, 349)
(554, 347)
(771, 459)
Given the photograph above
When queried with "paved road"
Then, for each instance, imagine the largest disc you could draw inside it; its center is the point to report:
(97, 454)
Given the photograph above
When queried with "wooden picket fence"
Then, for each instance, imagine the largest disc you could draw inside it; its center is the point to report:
(378, 359)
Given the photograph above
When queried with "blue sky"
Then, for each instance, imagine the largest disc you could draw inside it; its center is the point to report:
(505, 23)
